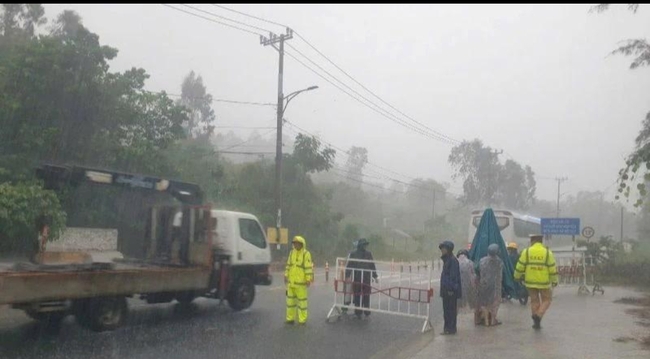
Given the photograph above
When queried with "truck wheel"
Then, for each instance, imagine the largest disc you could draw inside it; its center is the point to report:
(185, 298)
(242, 294)
(103, 314)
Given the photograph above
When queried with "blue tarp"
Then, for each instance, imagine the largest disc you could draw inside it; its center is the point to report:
(487, 233)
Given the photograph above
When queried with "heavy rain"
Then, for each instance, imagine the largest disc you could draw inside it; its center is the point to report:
(324, 181)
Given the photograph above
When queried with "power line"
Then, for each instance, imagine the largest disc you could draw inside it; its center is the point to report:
(346, 152)
(363, 182)
(369, 91)
(227, 18)
(380, 110)
(212, 20)
(384, 176)
(246, 127)
(220, 99)
(340, 69)
(248, 15)
(394, 119)
(247, 141)
(245, 153)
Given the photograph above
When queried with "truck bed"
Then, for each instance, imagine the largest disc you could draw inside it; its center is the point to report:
(26, 282)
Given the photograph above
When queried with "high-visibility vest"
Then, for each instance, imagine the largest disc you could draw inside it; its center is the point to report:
(537, 265)
(300, 268)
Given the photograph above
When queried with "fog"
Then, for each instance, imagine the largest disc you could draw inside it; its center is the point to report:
(534, 81)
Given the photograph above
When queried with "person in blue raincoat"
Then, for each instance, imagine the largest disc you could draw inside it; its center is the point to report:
(450, 286)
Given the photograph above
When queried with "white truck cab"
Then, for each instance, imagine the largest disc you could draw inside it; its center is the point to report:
(239, 239)
(240, 236)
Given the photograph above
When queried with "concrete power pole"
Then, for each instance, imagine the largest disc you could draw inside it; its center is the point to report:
(277, 41)
(622, 218)
(433, 206)
(559, 181)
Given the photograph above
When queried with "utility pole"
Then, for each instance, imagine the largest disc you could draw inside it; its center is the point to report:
(272, 40)
(433, 206)
(559, 181)
(622, 212)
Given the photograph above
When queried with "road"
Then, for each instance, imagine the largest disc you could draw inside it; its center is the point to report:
(206, 330)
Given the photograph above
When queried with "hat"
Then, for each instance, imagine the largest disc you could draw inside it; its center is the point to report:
(447, 244)
(536, 237)
(512, 245)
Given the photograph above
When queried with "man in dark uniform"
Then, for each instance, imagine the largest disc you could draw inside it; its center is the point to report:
(361, 272)
(450, 286)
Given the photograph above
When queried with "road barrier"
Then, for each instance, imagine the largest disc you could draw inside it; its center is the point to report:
(403, 290)
(577, 269)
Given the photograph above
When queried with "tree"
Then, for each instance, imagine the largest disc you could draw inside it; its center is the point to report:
(357, 160)
(479, 168)
(21, 205)
(487, 181)
(308, 154)
(67, 25)
(60, 103)
(20, 20)
(198, 101)
(637, 164)
(517, 186)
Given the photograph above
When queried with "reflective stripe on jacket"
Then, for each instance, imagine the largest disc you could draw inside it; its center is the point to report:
(537, 266)
(300, 268)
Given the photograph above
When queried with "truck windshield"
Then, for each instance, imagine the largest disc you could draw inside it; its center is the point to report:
(251, 232)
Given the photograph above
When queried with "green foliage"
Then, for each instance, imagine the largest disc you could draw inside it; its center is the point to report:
(478, 166)
(605, 252)
(18, 21)
(487, 182)
(307, 153)
(351, 232)
(357, 160)
(20, 207)
(60, 103)
(198, 101)
(637, 165)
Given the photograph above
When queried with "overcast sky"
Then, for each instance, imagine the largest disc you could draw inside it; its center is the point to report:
(534, 81)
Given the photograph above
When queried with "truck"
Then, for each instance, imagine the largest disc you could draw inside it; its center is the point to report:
(190, 250)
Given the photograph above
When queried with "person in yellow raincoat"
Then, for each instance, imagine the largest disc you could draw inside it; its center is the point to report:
(537, 268)
(298, 276)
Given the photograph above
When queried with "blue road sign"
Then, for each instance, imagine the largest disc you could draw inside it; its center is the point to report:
(561, 226)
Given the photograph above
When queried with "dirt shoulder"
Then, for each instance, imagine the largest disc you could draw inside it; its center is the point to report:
(638, 307)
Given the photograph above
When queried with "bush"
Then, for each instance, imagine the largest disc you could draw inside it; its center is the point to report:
(22, 206)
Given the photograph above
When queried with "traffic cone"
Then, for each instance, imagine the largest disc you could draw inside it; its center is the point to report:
(327, 271)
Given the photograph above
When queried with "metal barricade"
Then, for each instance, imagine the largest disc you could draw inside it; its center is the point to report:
(577, 268)
(402, 289)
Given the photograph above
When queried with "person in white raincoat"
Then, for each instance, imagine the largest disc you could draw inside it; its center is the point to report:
(490, 283)
(467, 281)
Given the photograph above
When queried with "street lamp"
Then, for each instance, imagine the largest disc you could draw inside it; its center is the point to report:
(283, 102)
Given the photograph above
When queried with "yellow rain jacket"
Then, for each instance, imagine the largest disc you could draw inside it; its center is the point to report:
(300, 269)
(537, 266)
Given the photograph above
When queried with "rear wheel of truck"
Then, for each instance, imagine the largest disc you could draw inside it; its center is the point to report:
(185, 298)
(102, 314)
(242, 294)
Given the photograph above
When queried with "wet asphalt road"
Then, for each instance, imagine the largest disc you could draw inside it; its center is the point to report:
(165, 331)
